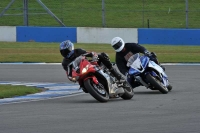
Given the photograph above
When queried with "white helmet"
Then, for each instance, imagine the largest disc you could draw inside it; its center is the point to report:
(117, 43)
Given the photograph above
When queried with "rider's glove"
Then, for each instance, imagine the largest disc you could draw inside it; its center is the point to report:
(153, 55)
(95, 57)
(147, 53)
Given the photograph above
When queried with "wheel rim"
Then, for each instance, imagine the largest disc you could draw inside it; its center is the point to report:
(99, 88)
(158, 81)
(128, 87)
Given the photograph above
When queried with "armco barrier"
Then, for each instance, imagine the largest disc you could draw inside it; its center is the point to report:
(8, 33)
(100, 35)
(169, 36)
(105, 35)
(46, 34)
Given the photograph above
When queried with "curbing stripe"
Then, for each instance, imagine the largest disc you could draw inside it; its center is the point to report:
(52, 90)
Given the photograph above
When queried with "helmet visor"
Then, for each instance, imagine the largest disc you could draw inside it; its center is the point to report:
(117, 45)
(71, 47)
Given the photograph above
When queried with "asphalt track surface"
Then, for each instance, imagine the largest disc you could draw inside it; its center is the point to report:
(148, 112)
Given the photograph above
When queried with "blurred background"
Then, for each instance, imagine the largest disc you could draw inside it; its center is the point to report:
(101, 13)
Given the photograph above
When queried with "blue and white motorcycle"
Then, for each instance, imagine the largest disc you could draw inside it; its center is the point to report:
(147, 73)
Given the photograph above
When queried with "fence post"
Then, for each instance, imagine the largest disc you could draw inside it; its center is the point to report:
(143, 13)
(25, 11)
(103, 13)
(186, 5)
(8, 6)
(51, 13)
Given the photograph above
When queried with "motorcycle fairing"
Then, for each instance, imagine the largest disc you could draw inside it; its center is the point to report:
(137, 64)
(111, 87)
(155, 66)
(144, 60)
(161, 72)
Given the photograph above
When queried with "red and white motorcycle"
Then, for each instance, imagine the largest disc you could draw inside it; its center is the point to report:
(97, 80)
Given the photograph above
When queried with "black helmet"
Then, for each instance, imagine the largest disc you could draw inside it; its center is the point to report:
(66, 47)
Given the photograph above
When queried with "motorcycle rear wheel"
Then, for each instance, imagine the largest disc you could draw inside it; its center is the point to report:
(97, 90)
(157, 84)
(128, 92)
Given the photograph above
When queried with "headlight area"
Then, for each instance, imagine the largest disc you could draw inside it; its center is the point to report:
(85, 69)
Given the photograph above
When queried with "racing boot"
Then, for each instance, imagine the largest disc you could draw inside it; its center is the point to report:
(117, 75)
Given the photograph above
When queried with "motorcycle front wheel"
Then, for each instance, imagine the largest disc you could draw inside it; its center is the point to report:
(97, 90)
(157, 84)
(169, 87)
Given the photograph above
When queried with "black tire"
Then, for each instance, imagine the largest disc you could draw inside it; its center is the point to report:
(157, 84)
(94, 90)
(169, 87)
(128, 92)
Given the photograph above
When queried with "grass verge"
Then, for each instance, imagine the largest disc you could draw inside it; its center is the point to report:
(49, 52)
(8, 91)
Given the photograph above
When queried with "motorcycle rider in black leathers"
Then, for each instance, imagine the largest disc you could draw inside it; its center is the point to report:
(69, 53)
(124, 51)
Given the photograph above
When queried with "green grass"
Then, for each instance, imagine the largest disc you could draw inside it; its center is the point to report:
(7, 91)
(118, 13)
(49, 52)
